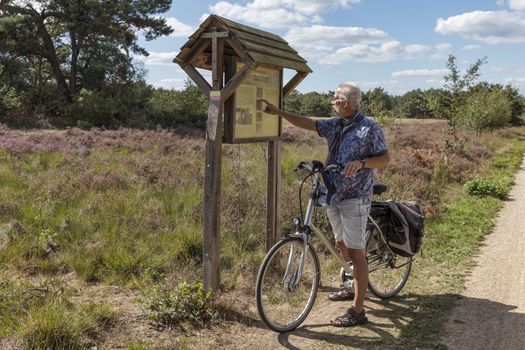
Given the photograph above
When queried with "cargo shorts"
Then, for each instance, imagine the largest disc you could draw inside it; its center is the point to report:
(348, 220)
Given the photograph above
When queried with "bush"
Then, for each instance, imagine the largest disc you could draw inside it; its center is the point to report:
(92, 108)
(485, 109)
(484, 188)
(171, 108)
(186, 303)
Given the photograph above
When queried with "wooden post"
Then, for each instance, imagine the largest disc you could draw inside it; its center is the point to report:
(273, 188)
(212, 171)
(273, 197)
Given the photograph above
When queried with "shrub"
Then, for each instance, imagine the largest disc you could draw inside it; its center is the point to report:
(170, 108)
(483, 188)
(186, 303)
(485, 110)
(92, 108)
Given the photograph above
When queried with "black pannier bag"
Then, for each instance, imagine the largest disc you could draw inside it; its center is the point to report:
(406, 227)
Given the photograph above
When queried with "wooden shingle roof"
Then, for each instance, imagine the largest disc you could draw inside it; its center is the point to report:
(259, 46)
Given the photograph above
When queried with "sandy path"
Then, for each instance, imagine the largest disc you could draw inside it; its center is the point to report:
(491, 312)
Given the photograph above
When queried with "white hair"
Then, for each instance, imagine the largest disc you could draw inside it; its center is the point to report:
(351, 92)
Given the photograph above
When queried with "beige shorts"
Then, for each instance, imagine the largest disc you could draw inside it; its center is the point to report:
(348, 219)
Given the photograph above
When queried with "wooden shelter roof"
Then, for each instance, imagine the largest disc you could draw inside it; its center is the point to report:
(260, 47)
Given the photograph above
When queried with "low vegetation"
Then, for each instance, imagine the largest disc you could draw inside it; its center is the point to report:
(123, 207)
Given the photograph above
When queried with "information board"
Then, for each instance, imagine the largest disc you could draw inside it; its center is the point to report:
(250, 120)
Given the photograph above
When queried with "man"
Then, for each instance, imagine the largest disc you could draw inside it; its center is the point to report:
(356, 142)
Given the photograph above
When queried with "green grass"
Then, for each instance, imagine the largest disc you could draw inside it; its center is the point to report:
(132, 216)
(43, 317)
(452, 239)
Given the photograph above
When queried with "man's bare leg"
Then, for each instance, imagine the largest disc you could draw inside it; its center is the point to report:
(360, 273)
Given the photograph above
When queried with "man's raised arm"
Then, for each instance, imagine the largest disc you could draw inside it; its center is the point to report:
(296, 119)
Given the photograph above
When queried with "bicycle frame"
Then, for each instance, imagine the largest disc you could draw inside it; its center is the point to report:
(312, 228)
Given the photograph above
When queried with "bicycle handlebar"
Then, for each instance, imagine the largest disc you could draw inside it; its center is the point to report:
(317, 166)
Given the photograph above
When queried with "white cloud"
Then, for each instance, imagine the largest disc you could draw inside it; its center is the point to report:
(339, 35)
(441, 51)
(435, 82)
(518, 82)
(179, 29)
(170, 83)
(492, 27)
(416, 50)
(518, 5)
(470, 47)
(515, 70)
(279, 13)
(383, 52)
(331, 45)
(158, 59)
(419, 73)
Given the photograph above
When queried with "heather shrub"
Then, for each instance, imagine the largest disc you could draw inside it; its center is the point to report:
(484, 187)
(125, 206)
(187, 302)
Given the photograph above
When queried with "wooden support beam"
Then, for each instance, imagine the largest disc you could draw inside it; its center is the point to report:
(212, 174)
(215, 35)
(196, 50)
(230, 68)
(296, 79)
(197, 78)
(273, 196)
(237, 79)
(273, 187)
(239, 50)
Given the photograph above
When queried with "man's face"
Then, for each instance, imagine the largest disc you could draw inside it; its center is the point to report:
(340, 104)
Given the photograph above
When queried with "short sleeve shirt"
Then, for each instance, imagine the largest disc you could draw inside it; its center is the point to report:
(361, 141)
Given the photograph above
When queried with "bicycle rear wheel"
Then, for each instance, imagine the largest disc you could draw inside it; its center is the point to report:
(285, 297)
(387, 272)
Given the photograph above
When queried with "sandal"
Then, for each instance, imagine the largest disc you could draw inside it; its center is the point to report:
(349, 319)
(343, 294)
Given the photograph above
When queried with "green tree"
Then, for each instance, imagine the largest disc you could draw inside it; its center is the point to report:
(517, 104)
(77, 44)
(438, 103)
(378, 104)
(486, 107)
(458, 84)
(413, 104)
(170, 108)
(293, 102)
(317, 104)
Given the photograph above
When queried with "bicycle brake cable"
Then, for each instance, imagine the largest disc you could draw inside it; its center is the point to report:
(300, 196)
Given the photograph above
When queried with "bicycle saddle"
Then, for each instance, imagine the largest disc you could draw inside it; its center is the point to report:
(379, 188)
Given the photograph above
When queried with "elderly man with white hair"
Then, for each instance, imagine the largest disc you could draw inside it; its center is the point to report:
(356, 142)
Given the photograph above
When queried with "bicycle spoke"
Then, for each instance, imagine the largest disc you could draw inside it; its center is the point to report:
(284, 298)
(388, 272)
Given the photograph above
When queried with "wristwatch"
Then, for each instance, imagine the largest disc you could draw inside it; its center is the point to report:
(363, 162)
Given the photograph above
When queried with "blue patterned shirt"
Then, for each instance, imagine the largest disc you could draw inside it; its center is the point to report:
(364, 140)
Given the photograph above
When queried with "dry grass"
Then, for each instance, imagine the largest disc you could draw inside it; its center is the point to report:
(124, 207)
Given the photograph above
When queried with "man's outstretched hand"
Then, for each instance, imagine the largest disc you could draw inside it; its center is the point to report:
(270, 108)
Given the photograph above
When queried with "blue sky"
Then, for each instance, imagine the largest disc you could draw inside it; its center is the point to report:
(399, 45)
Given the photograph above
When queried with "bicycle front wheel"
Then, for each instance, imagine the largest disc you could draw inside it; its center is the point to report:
(387, 272)
(285, 291)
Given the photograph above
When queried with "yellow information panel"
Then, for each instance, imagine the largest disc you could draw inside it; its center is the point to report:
(250, 120)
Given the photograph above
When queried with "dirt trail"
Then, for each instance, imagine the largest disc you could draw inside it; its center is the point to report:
(491, 312)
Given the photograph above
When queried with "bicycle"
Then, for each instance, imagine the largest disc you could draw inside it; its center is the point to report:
(289, 276)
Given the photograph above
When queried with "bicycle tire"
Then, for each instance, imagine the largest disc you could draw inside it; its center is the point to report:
(275, 295)
(388, 272)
